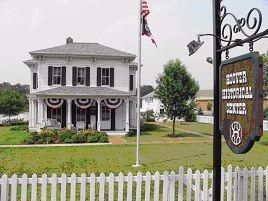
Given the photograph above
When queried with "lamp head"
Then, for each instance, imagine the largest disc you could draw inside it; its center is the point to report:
(209, 60)
(193, 46)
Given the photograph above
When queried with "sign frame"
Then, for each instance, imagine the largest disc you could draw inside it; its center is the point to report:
(257, 93)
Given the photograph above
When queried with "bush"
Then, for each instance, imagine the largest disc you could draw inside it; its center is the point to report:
(131, 133)
(101, 137)
(65, 134)
(104, 139)
(209, 106)
(150, 120)
(149, 127)
(190, 117)
(93, 139)
(79, 138)
(265, 113)
(88, 132)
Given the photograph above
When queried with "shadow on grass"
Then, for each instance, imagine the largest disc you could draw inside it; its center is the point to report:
(177, 135)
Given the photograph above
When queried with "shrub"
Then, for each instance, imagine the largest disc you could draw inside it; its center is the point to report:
(150, 120)
(209, 106)
(190, 117)
(93, 139)
(29, 141)
(88, 132)
(68, 140)
(265, 113)
(104, 139)
(149, 127)
(65, 134)
(131, 133)
(79, 138)
(15, 128)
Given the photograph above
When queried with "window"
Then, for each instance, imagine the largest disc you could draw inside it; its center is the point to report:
(149, 100)
(35, 81)
(56, 113)
(80, 114)
(105, 113)
(56, 75)
(81, 76)
(105, 76)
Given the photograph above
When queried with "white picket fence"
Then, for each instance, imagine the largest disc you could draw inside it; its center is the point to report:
(239, 185)
(210, 120)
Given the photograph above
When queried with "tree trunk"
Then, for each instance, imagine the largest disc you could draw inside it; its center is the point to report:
(173, 130)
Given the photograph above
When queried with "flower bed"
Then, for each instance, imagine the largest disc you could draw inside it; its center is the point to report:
(65, 136)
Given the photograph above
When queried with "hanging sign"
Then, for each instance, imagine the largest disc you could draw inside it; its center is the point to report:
(241, 104)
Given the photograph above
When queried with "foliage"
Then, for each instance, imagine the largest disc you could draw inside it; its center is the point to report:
(176, 89)
(22, 89)
(22, 127)
(146, 89)
(265, 74)
(265, 113)
(149, 127)
(13, 122)
(11, 102)
(209, 106)
(190, 116)
(66, 136)
(131, 133)
(149, 116)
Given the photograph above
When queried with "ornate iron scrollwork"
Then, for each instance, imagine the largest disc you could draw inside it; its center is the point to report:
(252, 22)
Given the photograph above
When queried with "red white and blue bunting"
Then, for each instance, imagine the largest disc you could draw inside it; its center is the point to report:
(83, 103)
(113, 102)
(54, 102)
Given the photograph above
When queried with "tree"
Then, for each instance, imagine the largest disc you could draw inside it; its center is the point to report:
(146, 89)
(265, 74)
(11, 102)
(209, 106)
(176, 89)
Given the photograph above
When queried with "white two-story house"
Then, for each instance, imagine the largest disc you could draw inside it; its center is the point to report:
(85, 82)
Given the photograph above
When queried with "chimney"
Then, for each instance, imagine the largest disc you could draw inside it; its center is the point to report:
(69, 40)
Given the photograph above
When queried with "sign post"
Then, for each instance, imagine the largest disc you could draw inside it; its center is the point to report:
(241, 101)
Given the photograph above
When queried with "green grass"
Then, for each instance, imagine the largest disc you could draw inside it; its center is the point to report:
(193, 126)
(119, 158)
(160, 135)
(8, 137)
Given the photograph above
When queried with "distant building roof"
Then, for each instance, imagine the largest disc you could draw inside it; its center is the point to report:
(82, 91)
(149, 95)
(204, 95)
(83, 49)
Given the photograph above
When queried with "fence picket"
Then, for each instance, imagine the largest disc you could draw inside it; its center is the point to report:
(14, 184)
(138, 187)
(120, 186)
(260, 184)
(129, 186)
(111, 187)
(63, 187)
(172, 186)
(197, 185)
(252, 184)
(236, 198)
(83, 187)
(147, 186)
(245, 184)
(34, 188)
(92, 187)
(181, 183)
(54, 187)
(165, 186)
(73, 187)
(156, 186)
(189, 185)
(222, 183)
(205, 186)
(4, 188)
(24, 187)
(102, 184)
(44, 188)
(229, 183)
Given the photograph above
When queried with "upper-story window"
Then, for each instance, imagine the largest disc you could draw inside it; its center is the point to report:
(105, 76)
(56, 75)
(81, 74)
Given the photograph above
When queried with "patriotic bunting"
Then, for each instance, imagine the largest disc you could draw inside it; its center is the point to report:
(54, 102)
(83, 103)
(113, 103)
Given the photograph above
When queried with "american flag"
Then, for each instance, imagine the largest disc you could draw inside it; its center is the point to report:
(145, 28)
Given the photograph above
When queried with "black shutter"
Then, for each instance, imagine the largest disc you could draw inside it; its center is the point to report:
(34, 80)
(73, 114)
(63, 76)
(74, 76)
(111, 77)
(50, 71)
(87, 76)
(98, 76)
(131, 82)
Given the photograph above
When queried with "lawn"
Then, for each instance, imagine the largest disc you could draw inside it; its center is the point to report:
(8, 137)
(160, 135)
(119, 158)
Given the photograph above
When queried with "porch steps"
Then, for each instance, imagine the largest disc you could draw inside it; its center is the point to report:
(115, 133)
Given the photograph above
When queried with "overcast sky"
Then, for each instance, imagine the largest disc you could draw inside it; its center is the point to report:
(27, 25)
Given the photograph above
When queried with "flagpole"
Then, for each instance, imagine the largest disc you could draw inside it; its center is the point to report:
(138, 89)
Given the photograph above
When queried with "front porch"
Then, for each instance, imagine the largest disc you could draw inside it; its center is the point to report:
(115, 114)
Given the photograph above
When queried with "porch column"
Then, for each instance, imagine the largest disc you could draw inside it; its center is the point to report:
(127, 114)
(30, 116)
(33, 116)
(40, 111)
(69, 113)
(99, 111)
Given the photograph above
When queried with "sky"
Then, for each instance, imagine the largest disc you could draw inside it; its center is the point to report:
(27, 25)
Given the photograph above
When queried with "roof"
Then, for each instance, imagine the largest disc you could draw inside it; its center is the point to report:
(83, 49)
(82, 91)
(149, 95)
(30, 61)
(204, 94)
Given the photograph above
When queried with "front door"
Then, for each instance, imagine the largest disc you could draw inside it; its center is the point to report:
(113, 119)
